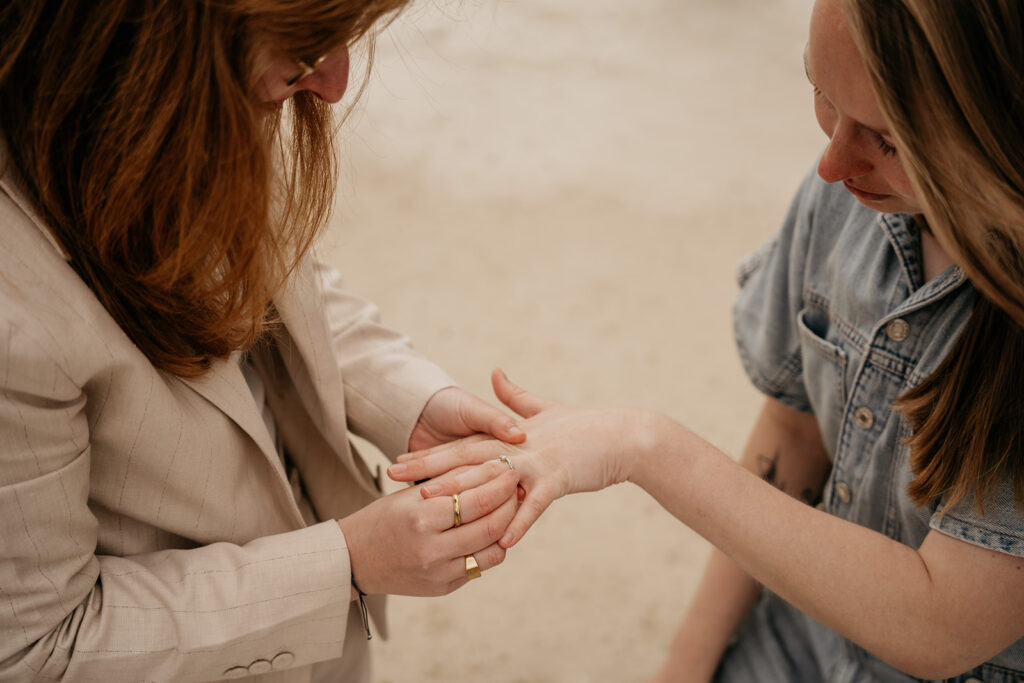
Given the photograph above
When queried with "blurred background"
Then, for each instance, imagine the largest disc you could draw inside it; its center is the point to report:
(564, 189)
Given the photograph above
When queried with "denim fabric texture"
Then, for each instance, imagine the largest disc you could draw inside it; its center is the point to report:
(834, 318)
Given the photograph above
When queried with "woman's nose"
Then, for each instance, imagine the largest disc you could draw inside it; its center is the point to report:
(330, 80)
(843, 159)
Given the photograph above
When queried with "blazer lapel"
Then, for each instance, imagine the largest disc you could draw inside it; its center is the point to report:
(309, 360)
(225, 387)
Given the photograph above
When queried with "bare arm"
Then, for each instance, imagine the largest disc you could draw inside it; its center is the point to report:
(784, 449)
(933, 612)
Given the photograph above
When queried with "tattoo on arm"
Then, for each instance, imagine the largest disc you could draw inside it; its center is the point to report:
(768, 469)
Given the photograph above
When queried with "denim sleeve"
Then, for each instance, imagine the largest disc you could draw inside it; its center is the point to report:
(770, 297)
(998, 526)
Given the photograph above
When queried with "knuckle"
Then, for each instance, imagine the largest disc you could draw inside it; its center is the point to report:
(496, 527)
(420, 525)
(422, 560)
(484, 500)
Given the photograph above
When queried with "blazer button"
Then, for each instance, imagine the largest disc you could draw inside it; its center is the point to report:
(843, 492)
(898, 329)
(283, 660)
(236, 672)
(864, 417)
(260, 666)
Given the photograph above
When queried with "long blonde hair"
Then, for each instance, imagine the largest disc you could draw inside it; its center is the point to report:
(949, 76)
(133, 126)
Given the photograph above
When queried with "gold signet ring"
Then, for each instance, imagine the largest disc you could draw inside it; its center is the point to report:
(472, 568)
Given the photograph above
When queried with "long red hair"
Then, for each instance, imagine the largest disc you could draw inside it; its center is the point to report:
(182, 206)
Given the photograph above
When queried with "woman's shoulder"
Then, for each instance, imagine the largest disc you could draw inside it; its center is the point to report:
(47, 313)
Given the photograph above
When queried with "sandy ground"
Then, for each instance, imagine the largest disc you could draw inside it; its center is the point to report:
(563, 189)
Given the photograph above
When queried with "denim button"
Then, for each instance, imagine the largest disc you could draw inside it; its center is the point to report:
(843, 492)
(283, 660)
(864, 417)
(898, 329)
(260, 666)
(236, 672)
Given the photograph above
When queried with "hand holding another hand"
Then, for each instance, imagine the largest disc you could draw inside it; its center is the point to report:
(406, 545)
(568, 450)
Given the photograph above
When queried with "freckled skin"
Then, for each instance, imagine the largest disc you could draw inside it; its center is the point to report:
(861, 152)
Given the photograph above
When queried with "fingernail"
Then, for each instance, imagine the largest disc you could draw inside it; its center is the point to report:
(403, 457)
(398, 469)
(432, 490)
(507, 539)
(515, 431)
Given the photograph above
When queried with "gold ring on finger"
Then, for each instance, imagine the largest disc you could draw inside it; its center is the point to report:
(472, 568)
(456, 510)
(508, 462)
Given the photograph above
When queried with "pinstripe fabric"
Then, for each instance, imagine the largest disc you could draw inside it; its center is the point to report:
(147, 528)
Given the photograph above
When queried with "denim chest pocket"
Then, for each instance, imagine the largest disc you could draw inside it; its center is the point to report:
(824, 364)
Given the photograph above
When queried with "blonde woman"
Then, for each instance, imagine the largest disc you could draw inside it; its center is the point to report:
(179, 376)
(884, 323)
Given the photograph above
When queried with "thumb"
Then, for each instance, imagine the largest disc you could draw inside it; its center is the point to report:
(515, 397)
(480, 416)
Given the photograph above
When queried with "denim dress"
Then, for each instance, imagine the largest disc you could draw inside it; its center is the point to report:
(834, 318)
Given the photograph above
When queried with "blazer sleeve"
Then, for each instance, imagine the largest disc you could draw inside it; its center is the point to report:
(386, 382)
(183, 614)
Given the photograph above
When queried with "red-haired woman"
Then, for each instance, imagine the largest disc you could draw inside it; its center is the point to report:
(178, 375)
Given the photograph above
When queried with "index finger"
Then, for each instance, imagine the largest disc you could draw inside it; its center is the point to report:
(462, 479)
(457, 454)
(414, 455)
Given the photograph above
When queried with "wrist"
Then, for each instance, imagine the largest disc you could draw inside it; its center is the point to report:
(355, 592)
(657, 440)
(348, 529)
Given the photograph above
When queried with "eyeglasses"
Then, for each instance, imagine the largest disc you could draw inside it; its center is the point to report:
(305, 69)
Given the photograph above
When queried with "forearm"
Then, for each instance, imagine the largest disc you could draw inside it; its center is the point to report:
(933, 612)
(785, 449)
(871, 589)
(191, 614)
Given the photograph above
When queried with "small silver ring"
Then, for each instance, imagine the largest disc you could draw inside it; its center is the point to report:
(508, 462)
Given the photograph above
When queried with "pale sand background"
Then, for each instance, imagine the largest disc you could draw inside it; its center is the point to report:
(563, 189)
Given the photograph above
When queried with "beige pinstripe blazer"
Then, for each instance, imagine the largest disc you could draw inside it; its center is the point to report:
(147, 528)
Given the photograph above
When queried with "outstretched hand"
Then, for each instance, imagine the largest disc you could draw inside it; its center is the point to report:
(568, 450)
(453, 413)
